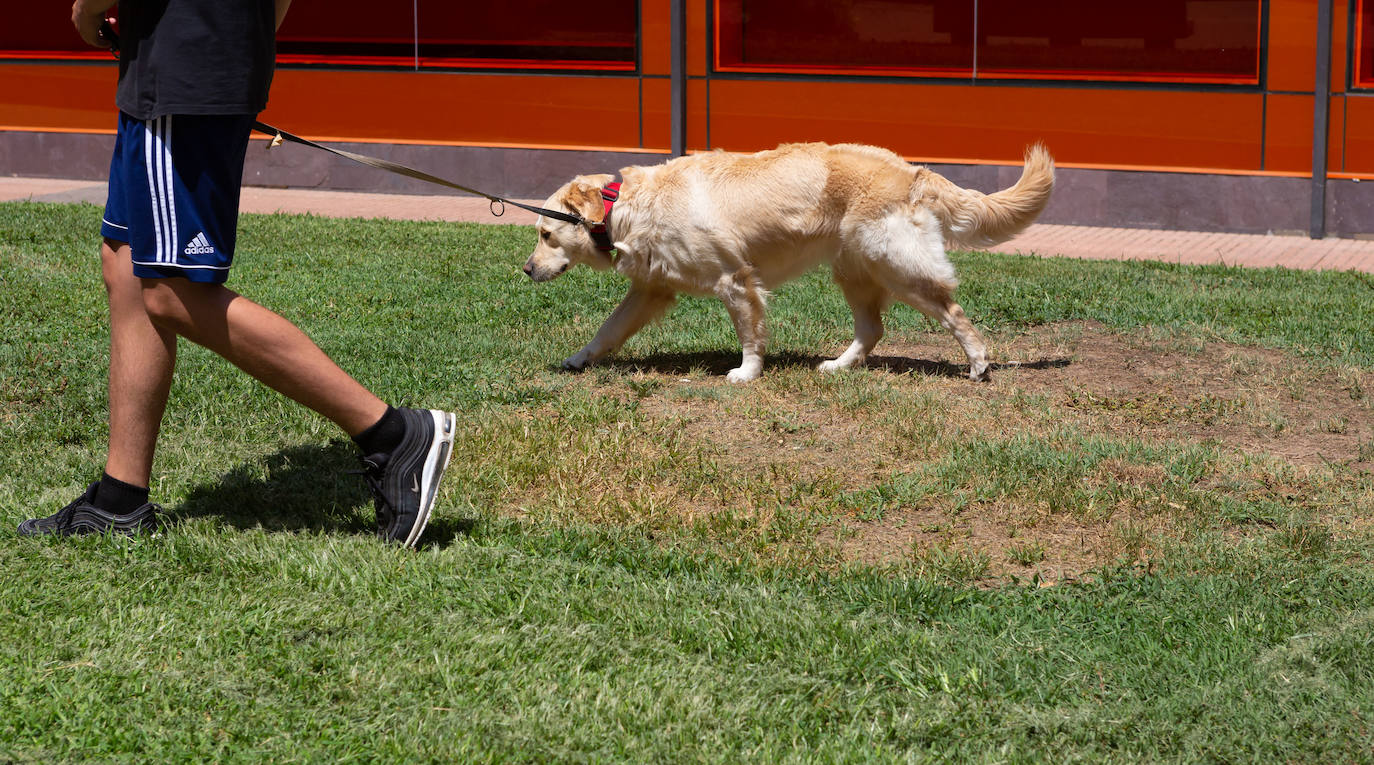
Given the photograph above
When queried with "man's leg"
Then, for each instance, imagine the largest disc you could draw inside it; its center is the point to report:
(263, 344)
(189, 240)
(405, 451)
(142, 356)
(183, 237)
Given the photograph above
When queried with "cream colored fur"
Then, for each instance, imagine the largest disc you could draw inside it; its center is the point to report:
(737, 225)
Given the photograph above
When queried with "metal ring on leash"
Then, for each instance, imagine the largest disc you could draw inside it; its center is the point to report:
(495, 211)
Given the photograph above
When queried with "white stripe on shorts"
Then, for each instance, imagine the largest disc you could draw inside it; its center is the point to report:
(149, 138)
(168, 188)
(158, 156)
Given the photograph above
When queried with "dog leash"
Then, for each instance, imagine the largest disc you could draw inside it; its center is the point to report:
(497, 204)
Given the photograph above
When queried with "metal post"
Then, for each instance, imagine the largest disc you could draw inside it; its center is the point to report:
(1320, 120)
(678, 81)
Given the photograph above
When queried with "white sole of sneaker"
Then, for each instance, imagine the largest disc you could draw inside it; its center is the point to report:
(436, 462)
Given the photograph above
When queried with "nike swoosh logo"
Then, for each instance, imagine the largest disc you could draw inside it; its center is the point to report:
(415, 484)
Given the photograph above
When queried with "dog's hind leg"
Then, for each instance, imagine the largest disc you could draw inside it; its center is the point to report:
(639, 307)
(867, 300)
(744, 298)
(936, 301)
(908, 258)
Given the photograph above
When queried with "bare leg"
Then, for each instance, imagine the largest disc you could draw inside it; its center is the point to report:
(264, 345)
(142, 356)
(639, 307)
(744, 299)
(866, 300)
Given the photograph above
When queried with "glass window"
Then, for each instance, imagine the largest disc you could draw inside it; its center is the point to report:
(522, 34)
(933, 37)
(1364, 45)
(1170, 40)
(43, 30)
(346, 33)
(1148, 40)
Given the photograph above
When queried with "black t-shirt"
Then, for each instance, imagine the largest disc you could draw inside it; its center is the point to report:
(195, 56)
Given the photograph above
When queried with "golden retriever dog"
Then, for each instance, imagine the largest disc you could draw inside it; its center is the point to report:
(738, 225)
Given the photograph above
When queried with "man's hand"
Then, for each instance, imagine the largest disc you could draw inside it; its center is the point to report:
(88, 15)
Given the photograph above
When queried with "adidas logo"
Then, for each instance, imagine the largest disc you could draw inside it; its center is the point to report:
(199, 246)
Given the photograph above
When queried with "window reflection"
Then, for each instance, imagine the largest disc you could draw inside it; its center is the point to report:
(1168, 40)
(1364, 45)
(513, 33)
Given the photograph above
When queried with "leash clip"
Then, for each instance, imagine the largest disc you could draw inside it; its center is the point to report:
(497, 207)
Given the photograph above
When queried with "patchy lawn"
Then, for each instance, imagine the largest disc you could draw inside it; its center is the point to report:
(1089, 446)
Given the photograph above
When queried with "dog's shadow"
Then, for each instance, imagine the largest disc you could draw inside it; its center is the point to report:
(903, 365)
(718, 363)
(301, 488)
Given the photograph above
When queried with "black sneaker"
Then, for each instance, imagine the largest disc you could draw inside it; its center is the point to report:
(82, 517)
(405, 482)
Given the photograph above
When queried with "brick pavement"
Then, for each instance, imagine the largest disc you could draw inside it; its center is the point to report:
(1095, 243)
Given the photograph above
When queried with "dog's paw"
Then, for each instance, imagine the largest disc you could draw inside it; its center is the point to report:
(575, 363)
(833, 365)
(741, 375)
(980, 373)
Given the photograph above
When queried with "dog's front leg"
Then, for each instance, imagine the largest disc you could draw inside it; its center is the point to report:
(640, 306)
(744, 299)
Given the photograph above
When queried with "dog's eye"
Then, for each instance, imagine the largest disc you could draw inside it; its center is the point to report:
(544, 235)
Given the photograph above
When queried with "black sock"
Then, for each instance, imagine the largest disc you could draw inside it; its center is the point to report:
(384, 435)
(115, 496)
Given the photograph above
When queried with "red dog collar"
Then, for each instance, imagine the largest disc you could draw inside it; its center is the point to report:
(601, 231)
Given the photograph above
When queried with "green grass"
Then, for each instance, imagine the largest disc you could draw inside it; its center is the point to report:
(601, 582)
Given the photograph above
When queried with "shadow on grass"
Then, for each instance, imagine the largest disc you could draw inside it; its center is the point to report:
(719, 363)
(901, 365)
(709, 362)
(301, 488)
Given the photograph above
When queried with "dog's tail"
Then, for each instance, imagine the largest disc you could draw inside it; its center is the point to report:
(972, 219)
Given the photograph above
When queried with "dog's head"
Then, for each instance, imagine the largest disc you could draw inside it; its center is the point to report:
(563, 245)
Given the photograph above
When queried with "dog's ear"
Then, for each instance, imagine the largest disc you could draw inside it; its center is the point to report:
(584, 196)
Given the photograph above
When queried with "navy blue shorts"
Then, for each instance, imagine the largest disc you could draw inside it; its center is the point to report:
(174, 193)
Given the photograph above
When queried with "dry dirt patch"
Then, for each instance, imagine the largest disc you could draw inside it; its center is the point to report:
(1254, 400)
(1276, 419)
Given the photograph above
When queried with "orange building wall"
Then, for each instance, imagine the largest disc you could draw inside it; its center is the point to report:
(1251, 130)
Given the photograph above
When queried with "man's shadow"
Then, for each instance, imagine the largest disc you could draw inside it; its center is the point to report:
(301, 488)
